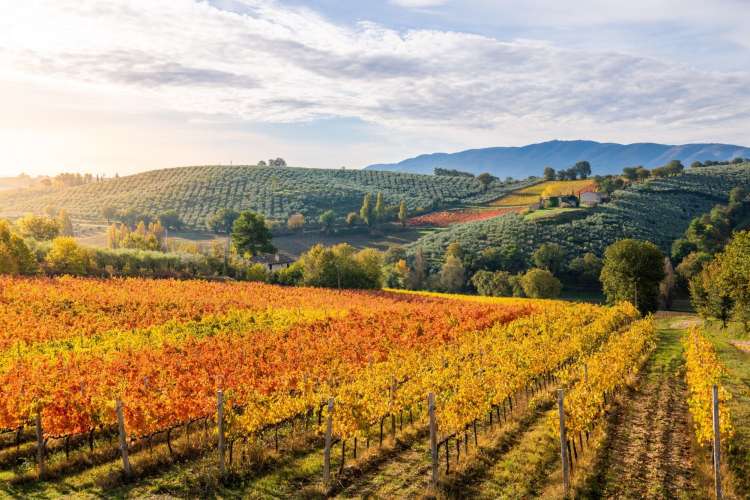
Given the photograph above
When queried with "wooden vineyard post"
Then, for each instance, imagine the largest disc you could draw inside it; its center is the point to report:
(433, 438)
(717, 442)
(220, 425)
(39, 445)
(563, 442)
(393, 415)
(327, 452)
(123, 440)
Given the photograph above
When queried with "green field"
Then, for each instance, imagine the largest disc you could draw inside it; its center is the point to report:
(277, 192)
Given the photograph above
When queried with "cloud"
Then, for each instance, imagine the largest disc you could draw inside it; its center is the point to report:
(267, 62)
(419, 3)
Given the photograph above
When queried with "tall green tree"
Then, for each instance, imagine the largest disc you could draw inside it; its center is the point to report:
(402, 213)
(485, 180)
(65, 223)
(549, 174)
(365, 213)
(379, 208)
(632, 272)
(250, 234)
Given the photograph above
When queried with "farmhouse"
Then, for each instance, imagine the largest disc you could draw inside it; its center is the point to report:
(591, 198)
(274, 261)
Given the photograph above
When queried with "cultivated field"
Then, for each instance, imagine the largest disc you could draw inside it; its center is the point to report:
(531, 194)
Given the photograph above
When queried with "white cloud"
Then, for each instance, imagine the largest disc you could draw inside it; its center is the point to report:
(416, 4)
(272, 63)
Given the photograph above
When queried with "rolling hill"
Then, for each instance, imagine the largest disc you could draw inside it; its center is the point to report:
(198, 192)
(605, 158)
(659, 211)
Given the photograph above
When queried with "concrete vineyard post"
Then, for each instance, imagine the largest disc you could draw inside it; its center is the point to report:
(327, 452)
(716, 442)
(220, 425)
(123, 439)
(433, 438)
(39, 445)
(563, 442)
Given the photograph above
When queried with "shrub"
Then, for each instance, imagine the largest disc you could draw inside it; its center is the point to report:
(540, 284)
(66, 257)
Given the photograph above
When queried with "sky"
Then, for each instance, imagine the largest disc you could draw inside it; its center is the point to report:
(122, 86)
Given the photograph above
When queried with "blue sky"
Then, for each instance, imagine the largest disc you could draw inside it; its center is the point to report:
(130, 85)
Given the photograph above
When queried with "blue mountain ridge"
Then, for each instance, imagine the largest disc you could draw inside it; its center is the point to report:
(605, 158)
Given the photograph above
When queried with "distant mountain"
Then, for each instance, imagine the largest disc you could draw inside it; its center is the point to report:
(605, 158)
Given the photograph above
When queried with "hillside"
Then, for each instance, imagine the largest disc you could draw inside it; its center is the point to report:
(658, 211)
(605, 158)
(198, 192)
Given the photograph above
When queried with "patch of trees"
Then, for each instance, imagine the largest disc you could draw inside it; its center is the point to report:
(581, 170)
(707, 234)
(447, 172)
(143, 237)
(710, 163)
(273, 162)
(722, 288)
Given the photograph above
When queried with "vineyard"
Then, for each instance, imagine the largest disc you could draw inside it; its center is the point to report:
(277, 192)
(446, 218)
(97, 374)
(658, 211)
(71, 348)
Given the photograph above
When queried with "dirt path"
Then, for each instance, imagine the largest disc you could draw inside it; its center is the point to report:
(648, 452)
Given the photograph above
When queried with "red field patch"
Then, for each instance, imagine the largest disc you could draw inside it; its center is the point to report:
(447, 217)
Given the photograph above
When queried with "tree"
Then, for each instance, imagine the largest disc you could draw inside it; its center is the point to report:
(109, 213)
(452, 274)
(365, 213)
(583, 168)
(418, 276)
(642, 173)
(15, 256)
(262, 163)
(587, 268)
(549, 256)
(327, 219)
(667, 285)
(131, 216)
(540, 284)
(341, 266)
(722, 289)
(549, 174)
(66, 257)
(691, 265)
(494, 284)
(454, 250)
(402, 213)
(295, 222)
(737, 195)
(171, 220)
(696, 164)
(250, 234)
(352, 218)
(681, 248)
(38, 227)
(485, 180)
(65, 223)
(222, 222)
(632, 271)
(379, 208)
(630, 173)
